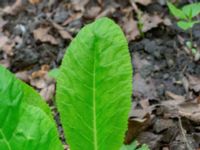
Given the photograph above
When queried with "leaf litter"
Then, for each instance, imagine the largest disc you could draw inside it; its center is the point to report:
(166, 79)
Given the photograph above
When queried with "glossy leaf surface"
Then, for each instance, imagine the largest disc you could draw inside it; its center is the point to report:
(94, 88)
(26, 122)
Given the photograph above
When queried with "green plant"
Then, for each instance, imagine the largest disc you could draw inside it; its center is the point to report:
(134, 146)
(93, 97)
(186, 16)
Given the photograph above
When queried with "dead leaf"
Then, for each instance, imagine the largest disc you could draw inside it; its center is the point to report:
(48, 92)
(2, 24)
(130, 28)
(40, 73)
(13, 9)
(92, 12)
(174, 96)
(6, 45)
(34, 1)
(150, 22)
(42, 35)
(143, 2)
(79, 5)
(106, 12)
(22, 75)
(194, 83)
(63, 33)
(135, 126)
(72, 18)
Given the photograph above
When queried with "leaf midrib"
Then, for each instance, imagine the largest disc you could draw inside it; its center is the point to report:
(5, 140)
(94, 102)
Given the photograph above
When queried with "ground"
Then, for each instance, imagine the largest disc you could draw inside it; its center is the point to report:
(165, 110)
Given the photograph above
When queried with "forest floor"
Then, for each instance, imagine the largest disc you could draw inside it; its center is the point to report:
(165, 114)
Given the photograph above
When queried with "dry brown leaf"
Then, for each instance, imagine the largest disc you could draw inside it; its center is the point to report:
(13, 9)
(72, 18)
(6, 45)
(150, 22)
(63, 33)
(2, 23)
(34, 1)
(143, 2)
(106, 12)
(22, 75)
(79, 5)
(130, 28)
(135, 126)
(5, 63)
(194, 83)
(174, 96)
(42, 35)
(92, 12)
(48, 92)
(40, 73)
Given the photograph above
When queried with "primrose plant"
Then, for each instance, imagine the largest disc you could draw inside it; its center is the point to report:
(187, 16)
(93, 97)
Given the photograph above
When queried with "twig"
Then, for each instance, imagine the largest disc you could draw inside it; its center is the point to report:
(183, 134)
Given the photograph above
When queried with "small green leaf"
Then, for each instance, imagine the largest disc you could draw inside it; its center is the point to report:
(26, 122)
(189, 44)
(186, 25)
(194, 51)
(191, 10)
(53, 73)
(133, 146)
(175, 11)
(94, 88)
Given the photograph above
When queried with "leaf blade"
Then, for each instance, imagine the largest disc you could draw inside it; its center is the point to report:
(25, 119)
(175, 11)
(95, 68)
(191, 10)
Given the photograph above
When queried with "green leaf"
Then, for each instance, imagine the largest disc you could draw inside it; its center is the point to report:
(175, 11)
(53, 73)
(133, 146)
(186, 25)
(25, 120)
(94, 88)
(191, 10)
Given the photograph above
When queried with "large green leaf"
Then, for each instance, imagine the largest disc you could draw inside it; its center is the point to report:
(26, 122)
(94, 88)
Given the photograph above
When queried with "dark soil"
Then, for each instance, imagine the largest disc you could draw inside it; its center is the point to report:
(160, 60)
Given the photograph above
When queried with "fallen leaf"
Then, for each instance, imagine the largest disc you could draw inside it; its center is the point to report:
(92, 12)
(40, 73)
(6, 45)
(2, 24)
(150, 22)
(48, 92)
(63, 33)
(23, 75)
(106, 12)
(42, 35)
(34, 1)
(135, 126)
(13, 9)
(194, 83)
(130, 28)
(173, 96)
(143, 2)
(79, 5)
